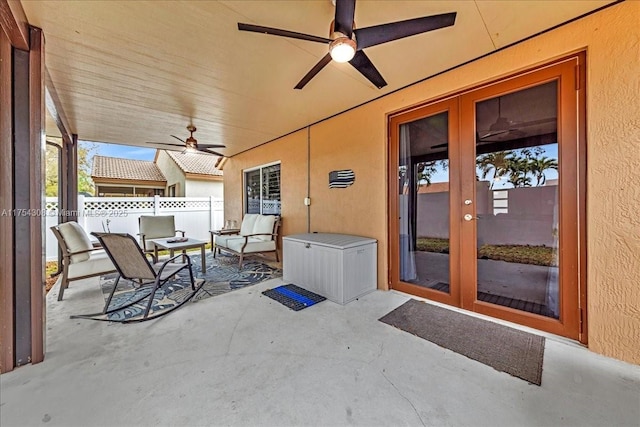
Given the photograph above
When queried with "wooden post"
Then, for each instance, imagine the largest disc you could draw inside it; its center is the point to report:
(28, 178)
(71, 200)
(37, 145)
(6, 206)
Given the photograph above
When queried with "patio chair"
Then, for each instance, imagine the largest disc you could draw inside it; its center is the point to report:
(258, 234)
(156, 227)
(80, 258)
(132, 264)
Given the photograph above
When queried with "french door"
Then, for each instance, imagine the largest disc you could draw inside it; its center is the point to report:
(486, 200)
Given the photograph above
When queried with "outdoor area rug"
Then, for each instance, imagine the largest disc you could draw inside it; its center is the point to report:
(222, 276)
(505, 349)
(293, 296)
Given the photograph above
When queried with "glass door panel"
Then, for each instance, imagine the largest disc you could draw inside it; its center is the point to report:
(517, 200)
(423, 202)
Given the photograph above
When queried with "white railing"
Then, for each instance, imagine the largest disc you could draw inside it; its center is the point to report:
(195, 215)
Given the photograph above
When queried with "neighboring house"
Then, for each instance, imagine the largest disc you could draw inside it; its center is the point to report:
(115, 177)
(190, 174)
(171, 174)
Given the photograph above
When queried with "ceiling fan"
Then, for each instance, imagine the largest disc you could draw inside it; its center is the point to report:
(346, 42)
(191, 144)
(500, 126)
(503, 125)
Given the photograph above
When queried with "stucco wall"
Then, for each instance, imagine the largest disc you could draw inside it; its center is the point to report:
(292, 152)
(357, 140)
(203, 188)
(172, 172)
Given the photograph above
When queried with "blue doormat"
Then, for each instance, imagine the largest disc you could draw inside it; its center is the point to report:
(293, 296)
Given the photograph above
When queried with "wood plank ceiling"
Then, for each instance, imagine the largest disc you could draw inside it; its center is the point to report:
(128, 72)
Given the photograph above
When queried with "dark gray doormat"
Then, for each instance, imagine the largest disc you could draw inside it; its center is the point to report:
(505, 349)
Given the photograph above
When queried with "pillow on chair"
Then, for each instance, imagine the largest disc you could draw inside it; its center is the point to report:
(264, 224)
(76, 240)
(248, 223)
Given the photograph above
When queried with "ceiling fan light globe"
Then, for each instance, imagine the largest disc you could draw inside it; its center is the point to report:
(342, 49)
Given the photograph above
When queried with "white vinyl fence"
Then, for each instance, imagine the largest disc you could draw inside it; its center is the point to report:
(195, 215)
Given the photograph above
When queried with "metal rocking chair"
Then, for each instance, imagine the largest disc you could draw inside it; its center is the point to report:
(132, 264)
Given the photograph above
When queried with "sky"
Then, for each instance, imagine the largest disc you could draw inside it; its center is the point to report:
(122, 151)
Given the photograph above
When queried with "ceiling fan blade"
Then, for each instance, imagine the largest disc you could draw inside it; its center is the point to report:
(378, 34)
(345, 10)
(212, 146)
(164, 143)
(315, 70)
(281, 33)
(363, 64)
(494, 133)
(207, 151)
(516, 126)
(534, 122)
(181, 140)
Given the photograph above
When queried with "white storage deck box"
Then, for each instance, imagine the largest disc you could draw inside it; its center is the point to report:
(340, 267)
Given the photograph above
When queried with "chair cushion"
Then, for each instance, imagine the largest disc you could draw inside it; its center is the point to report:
(254, 245)
(248, 223)
(264, 224)
(76, 240)
(222, 240)
(96, 264)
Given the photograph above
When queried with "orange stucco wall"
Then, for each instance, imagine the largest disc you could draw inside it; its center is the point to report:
(357, 140)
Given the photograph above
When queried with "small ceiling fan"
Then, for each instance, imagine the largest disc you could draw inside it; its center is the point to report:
(346, 42)
(513, 129)
(191, 143)
(500, 126)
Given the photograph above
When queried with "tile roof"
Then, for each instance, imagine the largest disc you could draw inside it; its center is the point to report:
(115, 168)
(198, 163)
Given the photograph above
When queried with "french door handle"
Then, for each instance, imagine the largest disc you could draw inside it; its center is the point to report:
(469, 217)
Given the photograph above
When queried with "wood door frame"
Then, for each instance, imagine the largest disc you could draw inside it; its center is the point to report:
(572, 193)
(565, 74)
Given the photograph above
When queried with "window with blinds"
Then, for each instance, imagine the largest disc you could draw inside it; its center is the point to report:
(262, 190)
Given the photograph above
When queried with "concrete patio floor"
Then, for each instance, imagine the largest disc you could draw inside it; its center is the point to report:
(241, 359)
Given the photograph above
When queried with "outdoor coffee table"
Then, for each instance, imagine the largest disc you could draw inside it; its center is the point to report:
(177, 244)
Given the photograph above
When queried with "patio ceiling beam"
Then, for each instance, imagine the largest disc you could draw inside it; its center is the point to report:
(15, 24)
(54, 107)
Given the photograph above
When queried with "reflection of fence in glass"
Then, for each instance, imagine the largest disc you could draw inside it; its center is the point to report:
(269, 207)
